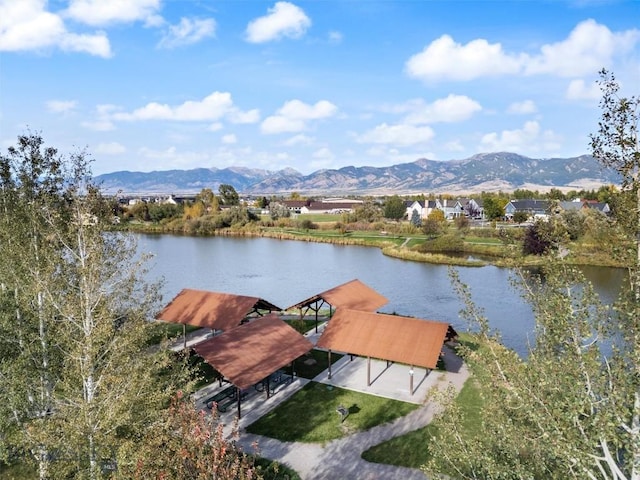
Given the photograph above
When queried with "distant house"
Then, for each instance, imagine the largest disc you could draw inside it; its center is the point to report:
(452, 209)
(295, 206)
(423, 207)
(602, 207)
(569, 206)
(473, 208)
(414, 205)
(534, 208)
(174, 200)
(333, 207)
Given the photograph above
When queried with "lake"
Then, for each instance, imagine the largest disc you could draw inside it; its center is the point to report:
(285, 272)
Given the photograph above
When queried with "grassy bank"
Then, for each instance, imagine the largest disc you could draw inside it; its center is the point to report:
(478, 247)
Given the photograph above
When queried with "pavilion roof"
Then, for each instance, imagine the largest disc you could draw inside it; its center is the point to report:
(251, 352)
(218, 311)
(352, 295)
(407, 340)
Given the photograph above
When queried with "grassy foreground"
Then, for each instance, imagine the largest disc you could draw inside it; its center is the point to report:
(412, 450)
(310, 414)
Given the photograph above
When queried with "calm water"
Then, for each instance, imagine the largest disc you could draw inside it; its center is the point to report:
(286, 272)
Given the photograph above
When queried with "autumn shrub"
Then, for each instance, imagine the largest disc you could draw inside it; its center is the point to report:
(444, 243)
(307, 224)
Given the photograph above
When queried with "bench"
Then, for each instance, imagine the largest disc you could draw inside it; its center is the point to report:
(222, 406)
(276, 377)
(227, 393)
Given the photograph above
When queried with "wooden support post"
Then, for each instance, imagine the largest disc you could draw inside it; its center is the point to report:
(368, 371)
(329, 352)
(184, 335)
(411, 380)
(239, 394)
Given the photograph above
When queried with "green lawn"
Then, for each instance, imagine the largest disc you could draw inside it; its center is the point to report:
(319, 363)
(270, 470)
(412, 450)
(310, 414)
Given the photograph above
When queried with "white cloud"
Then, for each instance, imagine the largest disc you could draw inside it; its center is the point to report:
(335, 38)
(323, 153)
(171, 157)
(589, 47)
(251, 116)
(400, 135)
(101, 12)
(111, 148)
(61, 106)
(579, 90)
(299, 139)
(528, 138)
(454, 108)
(283, 20)
(188, 31)
(445, 59)
(26, 25)
(294, 115)
(99, 125)
(280, 124)
(454, 146)
(229, 139)
(522, 108)
(214, 127)
(211, 108)
(103, 122)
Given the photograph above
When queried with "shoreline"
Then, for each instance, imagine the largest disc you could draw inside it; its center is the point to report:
(392, 246)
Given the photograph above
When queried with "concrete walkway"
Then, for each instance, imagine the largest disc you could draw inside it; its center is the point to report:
(341, 458)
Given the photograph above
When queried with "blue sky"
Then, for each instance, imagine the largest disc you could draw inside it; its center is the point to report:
(149, 85)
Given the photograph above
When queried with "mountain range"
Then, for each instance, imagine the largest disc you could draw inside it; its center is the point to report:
(482, 172)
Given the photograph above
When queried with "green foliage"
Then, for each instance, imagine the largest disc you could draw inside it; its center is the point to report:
(561, 395)
(208, 199)
(278, 210)
(186, 444)
(228, 195)
(462, 224)
(543, 236)
(306, 224)
(367, 212)
(156, 212)
(494, 206)
(444, 243)
(520, 216)
(394, 208)
(573, 221)
(270, 470)
(572, 409)
(77, 378)
(415, 219)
